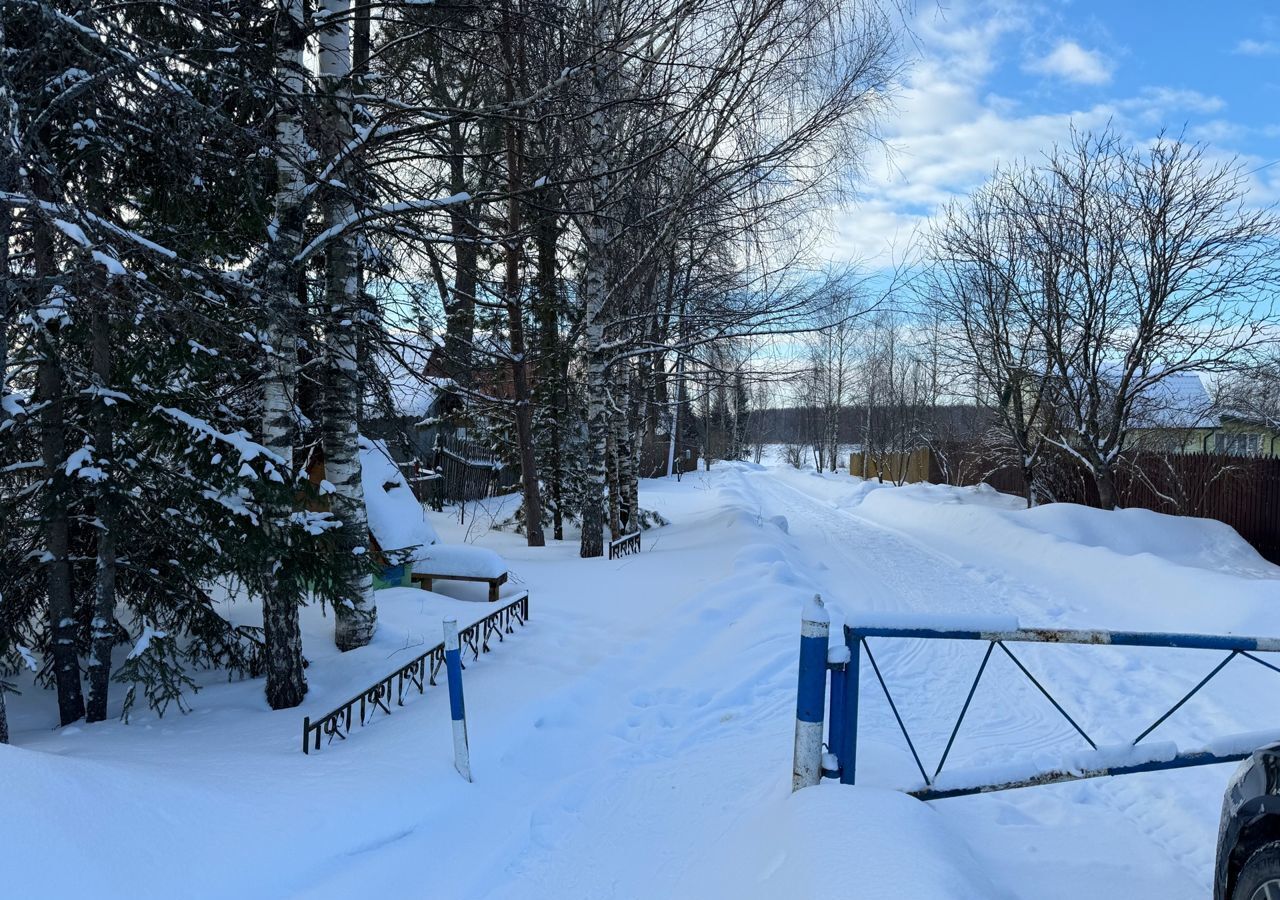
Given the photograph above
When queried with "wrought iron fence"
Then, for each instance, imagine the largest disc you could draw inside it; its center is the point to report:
(625, 545)
(844, 665)
(419, 672)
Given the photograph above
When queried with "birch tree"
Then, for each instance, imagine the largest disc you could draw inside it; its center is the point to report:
(286, 684)
(355, 612)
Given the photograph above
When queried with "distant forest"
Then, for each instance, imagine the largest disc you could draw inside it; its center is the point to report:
(798, 425)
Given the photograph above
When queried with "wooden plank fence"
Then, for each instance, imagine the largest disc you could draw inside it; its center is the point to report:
(458, 472)
(900, 468)
(1242, 491)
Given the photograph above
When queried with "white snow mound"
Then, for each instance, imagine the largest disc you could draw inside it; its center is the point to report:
(396, 518)
(834, 842)
(398, 522)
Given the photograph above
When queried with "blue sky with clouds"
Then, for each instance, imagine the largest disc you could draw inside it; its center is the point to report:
(1000, 80)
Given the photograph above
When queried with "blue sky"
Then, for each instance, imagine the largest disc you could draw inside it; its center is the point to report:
(995, 81)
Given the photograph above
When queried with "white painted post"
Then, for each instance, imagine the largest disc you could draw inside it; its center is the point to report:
(457, 710)
(811, 692)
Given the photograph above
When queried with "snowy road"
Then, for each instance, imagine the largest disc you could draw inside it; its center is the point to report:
(704, 707)
(634, 742)
(1116, 839)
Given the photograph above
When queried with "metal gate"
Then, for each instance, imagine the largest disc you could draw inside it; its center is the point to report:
(844, 663)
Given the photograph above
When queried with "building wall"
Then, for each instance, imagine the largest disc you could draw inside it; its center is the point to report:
(1232, 437)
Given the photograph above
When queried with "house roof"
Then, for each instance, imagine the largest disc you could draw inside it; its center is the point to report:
(403, 362)
(1175, 401)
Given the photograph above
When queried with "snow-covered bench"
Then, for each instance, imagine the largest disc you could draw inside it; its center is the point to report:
(425, 571)
(403, 534)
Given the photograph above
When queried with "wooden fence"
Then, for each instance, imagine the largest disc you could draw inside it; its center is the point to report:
(457, 472)
(900, 468)
(1242, 491)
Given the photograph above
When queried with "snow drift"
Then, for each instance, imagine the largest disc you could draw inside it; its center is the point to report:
(400, 525)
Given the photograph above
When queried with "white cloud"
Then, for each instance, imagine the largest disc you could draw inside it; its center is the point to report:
(1250, 47)
(950, 130)
(1217, 131)
(1074, 63)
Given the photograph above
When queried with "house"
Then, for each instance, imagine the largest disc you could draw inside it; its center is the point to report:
(404, 406)
(1177, 415)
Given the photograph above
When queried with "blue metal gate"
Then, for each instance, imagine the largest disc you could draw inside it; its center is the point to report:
(844, 665)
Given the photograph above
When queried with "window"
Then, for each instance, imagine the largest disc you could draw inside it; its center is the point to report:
(1238, 444)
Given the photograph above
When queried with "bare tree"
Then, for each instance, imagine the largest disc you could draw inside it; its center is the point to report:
(1152, 264)
(1252, 393)
(985, 292)
(1075, 288)
(831, 357)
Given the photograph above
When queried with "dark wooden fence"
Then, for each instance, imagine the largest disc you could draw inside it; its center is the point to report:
(1242, 491)
(458, 471)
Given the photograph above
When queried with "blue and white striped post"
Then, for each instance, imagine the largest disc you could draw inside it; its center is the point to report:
(811, 692)
(457, 710)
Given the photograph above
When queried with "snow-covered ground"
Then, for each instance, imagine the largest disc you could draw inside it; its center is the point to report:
(634, 741)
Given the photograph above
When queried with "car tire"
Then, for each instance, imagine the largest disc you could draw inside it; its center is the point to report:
(1259, 879)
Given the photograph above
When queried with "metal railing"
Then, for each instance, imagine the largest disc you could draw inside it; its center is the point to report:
(844, 664)
(625, 545)
(418, 672)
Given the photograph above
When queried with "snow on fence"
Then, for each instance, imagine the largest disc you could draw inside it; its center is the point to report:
(844, 664)
(419, 672)
(625, 545)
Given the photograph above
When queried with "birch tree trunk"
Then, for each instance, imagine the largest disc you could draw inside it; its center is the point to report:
(286, 684)
(677, 396)
(624, 460)
(675, 401)
(613, 484)
(102, 627)
(627, 476)
(367, 320)
(355, 613)
(595, 290)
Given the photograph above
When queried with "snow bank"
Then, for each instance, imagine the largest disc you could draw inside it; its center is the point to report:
(837, 842)
(88, 807)
(1090, 568)
(396, 518)
(398, 522)
(1182, 540)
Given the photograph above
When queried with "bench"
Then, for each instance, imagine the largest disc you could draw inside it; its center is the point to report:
(424, 580)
